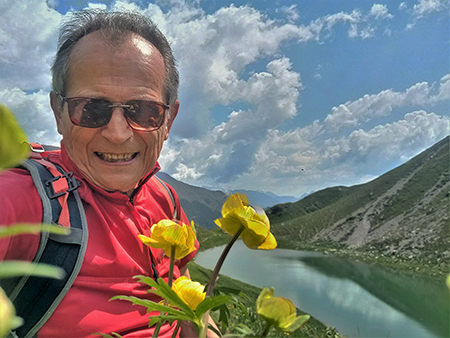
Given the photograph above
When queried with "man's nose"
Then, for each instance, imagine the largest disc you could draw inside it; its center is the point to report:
(117, 130)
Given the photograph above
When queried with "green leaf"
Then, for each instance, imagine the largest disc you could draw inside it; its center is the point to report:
(147, 280)
(244, 331)
(209, 303)
(153, 321)
(104, 335)
(14, 147)
(213, 329)
(152, 306)
(20, 268)
(299, 321)
(19, 229)
(164, 291)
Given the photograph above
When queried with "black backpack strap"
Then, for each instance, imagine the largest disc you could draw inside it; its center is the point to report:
(35, 298)
(175, 209)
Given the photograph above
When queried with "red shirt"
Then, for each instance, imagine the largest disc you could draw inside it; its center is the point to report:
(113, 256)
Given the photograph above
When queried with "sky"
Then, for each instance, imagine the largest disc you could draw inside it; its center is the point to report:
(279, 96)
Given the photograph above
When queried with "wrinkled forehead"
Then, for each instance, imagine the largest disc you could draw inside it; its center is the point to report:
(130, 52)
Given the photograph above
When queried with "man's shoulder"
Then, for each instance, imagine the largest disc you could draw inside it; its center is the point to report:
(19, 199)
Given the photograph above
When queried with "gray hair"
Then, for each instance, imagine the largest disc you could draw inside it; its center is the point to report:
(115, 26)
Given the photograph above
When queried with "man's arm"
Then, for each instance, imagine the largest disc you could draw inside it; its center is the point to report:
(187, 328)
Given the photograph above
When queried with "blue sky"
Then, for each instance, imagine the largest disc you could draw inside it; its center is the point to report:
(282, 96)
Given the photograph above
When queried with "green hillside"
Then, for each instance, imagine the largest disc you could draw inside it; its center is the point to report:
(404, 212)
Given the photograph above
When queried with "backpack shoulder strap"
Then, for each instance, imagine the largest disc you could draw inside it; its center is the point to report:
(176, 214)
(35, 298)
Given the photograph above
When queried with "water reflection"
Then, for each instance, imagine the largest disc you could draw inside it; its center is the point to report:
(424, 300)
(358, 299)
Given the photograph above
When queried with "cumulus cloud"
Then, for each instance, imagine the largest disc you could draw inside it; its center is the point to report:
(403, 137)
(425, 7)
(380, 12)
(27, 43)
(353, 113)
(305, 156)
(228, 149)
(233, 58)
(33, 113)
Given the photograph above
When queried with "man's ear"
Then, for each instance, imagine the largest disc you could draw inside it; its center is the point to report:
(55, 103)
(172, 114)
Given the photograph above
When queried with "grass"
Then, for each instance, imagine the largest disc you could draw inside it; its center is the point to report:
(312, 329)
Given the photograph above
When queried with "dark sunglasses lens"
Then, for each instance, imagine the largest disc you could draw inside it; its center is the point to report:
(145, 115)
(90, 113)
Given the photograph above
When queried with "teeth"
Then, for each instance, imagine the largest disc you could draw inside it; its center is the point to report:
(116, 157)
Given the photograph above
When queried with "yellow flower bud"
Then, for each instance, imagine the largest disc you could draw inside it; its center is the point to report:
(236, 212)
(192, 293)
(168, 233)
(13, 141)
(8, 319)
(278, 311)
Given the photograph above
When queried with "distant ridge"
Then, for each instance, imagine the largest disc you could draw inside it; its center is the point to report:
(203, 206)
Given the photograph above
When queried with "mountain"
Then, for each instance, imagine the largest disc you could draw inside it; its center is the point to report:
(201, 205)
(265, 199)
(404, 212)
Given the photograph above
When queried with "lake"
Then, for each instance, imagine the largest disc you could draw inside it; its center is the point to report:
(359, 299)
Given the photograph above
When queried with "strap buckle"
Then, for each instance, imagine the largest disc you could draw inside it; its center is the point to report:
(36, 147)
(72, 184)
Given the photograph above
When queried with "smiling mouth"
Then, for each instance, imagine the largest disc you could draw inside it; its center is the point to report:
(113, 158)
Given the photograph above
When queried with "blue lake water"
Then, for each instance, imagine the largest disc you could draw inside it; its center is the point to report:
(359, 299)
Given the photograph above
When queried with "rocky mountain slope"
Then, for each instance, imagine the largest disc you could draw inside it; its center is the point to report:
(403, 213)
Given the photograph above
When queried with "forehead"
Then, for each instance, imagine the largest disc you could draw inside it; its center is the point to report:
(97, 57)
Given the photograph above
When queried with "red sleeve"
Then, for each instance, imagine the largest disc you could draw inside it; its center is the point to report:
(19, 203)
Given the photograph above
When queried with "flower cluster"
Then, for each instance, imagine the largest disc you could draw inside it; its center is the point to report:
(188, 300)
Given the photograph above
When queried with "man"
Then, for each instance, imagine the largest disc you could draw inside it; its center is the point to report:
(114, 99)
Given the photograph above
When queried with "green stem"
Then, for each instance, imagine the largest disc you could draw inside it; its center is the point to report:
(215, 274)
(219, 263)
(169, 282)
(174, 334)
(266, 330)
(172, 264)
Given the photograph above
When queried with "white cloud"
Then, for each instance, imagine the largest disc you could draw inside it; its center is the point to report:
(425, 7)
(380, 12)
(290, 12)
(33, 113)
(228, 149)
(353, 113)
(403, 6)
(27, 43)
(417, 130)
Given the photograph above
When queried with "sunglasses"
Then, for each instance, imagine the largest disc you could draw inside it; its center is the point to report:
(141, 115)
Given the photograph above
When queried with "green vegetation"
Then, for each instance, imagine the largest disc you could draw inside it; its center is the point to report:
(211, 238)
(312, 329)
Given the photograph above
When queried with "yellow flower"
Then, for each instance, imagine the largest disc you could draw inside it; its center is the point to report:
(278, 311)
(192, 293)
(168, 233)
(8, 319)
(236, 212)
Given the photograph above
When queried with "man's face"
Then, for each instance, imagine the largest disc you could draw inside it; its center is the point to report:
(114, 157)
